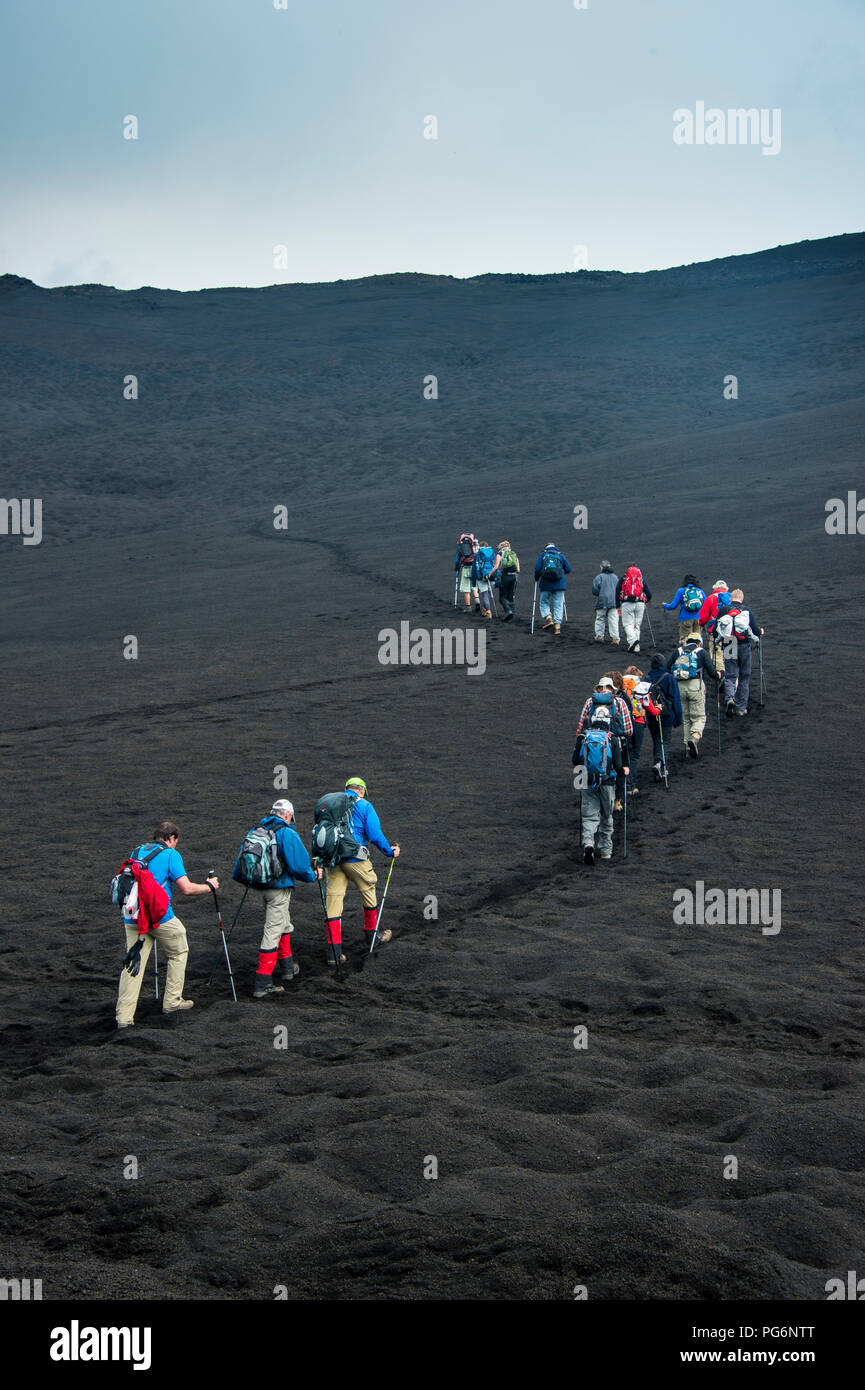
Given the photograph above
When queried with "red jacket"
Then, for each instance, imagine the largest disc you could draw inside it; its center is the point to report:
(153, 902)
(709, 610)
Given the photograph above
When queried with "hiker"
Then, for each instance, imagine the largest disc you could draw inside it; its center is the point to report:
(282, 842)
(597, 749)
(737, 633)
(624, 729)
(715, 604)
(166, 866)
(485, 566)
(509, 569)
(550, 570)
(630, 680)
(365, 830)
(663, 711)
(466, 551)
(691, 668)
(632, 595)
(605, 588)
(689, 599)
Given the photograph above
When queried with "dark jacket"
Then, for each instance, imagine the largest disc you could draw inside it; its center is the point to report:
(660, 677)
(705, 668)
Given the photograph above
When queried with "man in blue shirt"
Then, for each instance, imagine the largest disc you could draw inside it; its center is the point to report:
(168, 870)
(550, 570)
(366, 829)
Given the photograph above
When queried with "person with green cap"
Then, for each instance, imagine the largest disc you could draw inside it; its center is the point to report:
(366, 830)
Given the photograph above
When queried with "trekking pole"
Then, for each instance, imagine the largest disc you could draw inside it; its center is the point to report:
(493, 597)
(212, 874)
(456, 588)
(762, 685)
(534, 605)
(626, 819)
(230, 930)
(155, 970)
(381, 907)
(666, 770)
(651, 633)
(565, 609)
(337, 949)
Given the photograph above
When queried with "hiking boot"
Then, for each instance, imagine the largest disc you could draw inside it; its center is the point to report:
(588, 854)
(599, 639)
(382, 936)
(178, 1008)
(605, 853)
(485, 612)
(731, 708)
(741, 712)
(130, 1024)
(477, 608)
(692, 750)
(330, 958)
(656, 768)
(614, 641)
(557, 629)
(635, 647)
(617, 806)
(507, 618)
(290, 968)
(548, 622)
(263, 986)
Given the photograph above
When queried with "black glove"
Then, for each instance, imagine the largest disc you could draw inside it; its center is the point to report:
(132, 959)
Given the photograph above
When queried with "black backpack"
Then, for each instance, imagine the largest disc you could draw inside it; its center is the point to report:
(552, 567)
(332, 837)
(467, 551)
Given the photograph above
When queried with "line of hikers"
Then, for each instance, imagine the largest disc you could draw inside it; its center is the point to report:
(624, 705)
(270, 861)
(480, 568)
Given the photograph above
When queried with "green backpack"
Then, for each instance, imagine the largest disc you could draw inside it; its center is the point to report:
(509, 561)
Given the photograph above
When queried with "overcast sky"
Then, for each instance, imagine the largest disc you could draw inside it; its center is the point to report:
(303, 128)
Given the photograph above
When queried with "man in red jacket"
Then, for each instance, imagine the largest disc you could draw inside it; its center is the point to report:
(168, 869)
(708, 617)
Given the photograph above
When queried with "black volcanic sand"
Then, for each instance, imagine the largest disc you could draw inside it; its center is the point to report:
(304, 1165)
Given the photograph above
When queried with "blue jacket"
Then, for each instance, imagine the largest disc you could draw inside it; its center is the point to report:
(676, 601)
(669, 686)
(551, 586)
(366, 826)
(292, 852)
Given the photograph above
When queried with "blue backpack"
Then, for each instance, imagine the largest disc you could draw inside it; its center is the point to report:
(692, 599)
(597, 755)
(485, 560)
(552, 567)
(687, 664)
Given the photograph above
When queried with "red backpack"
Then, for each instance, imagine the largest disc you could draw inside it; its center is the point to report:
(632, 585)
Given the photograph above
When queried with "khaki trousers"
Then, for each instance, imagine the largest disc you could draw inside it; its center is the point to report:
(690, 627)
(276, 917)
(361, 874)
(693, 694)
(170, 937)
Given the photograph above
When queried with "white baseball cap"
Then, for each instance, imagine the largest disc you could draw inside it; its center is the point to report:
(282, 806)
